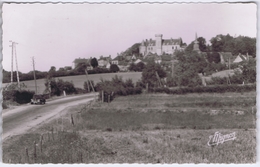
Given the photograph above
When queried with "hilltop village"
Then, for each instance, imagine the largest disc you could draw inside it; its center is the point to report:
(161, 51)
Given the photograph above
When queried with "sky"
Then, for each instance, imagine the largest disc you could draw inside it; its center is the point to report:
(56, 34)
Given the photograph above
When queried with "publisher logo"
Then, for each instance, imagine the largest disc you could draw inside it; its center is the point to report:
(218, 138)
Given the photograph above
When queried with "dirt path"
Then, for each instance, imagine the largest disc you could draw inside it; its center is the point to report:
(24, 118)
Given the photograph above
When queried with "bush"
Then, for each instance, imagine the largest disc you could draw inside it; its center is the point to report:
(149, 74)
(57, 87)
(114, 68)
(139, 84)
(4, 105)
(24, 96)
(80, 91)
(117, 87)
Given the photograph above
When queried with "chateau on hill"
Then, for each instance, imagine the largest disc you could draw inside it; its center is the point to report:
(160, 46)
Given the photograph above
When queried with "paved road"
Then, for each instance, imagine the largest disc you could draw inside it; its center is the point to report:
(23, 118)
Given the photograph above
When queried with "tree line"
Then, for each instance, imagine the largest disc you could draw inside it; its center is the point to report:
(226, 43)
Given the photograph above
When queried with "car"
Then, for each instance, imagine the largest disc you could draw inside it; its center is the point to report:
(38, 99)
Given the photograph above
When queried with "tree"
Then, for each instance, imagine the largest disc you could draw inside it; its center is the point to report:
(114, 68)
(81, 67)
(188, 67)
(202, 45)
(52, 71)
(140, 66)
(217, 43)
(149, 74)
(94, 62)
(57, 87)
(249, 71)
(132, 67)
(240, 44)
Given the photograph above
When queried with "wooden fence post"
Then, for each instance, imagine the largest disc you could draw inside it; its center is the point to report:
(27, 155)
(34, 151)
(102, 96)
(72, 121)
(108, 99)
(52, 133)
(41, 138)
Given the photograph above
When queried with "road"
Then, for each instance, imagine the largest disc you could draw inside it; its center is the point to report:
(23, 118)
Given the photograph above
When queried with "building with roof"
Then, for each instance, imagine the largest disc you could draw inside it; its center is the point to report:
(239, 58)
(103, 61)
(225, 57)
(160, 46)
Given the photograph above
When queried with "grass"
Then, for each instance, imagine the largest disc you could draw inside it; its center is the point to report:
(144, 129)
(79, 80)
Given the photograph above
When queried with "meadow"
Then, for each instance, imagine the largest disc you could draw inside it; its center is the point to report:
(147, 128)
(78, 80)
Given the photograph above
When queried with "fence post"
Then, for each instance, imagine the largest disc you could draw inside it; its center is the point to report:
(52, 133)
(62, 123)
(35, 153)
(102, 96)
(72, 121)
(41, 143)
(108, 99)
(26, 155)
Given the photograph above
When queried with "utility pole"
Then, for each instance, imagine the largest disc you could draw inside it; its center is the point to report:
(34, 75)
(17, 71)
(12, 57)
(88, 81)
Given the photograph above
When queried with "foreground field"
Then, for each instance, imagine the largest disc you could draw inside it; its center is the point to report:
(78, 80)
(153, 128)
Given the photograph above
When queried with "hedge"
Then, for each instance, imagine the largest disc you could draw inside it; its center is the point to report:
(206, 89)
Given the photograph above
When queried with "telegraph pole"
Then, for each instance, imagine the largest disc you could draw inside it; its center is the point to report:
(12, 57)
(17, 71)
(34, 75)
(12, 60)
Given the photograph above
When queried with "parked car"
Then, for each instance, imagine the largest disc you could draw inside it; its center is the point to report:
(38, 99)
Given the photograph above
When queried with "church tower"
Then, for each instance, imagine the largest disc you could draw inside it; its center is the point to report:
(196, 45)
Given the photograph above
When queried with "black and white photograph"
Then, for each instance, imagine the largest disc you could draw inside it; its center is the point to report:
(129, 83)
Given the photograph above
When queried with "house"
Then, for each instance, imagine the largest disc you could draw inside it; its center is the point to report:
(128, 58)
(241, 58)
(103, 61)
(108, 65)
(225, 57)
(123, 67)
(115, 60)
(78, 61)
(137, 61)
(133, 57)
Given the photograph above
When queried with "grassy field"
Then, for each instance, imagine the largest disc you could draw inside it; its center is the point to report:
(79, 80)
(147, 128)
